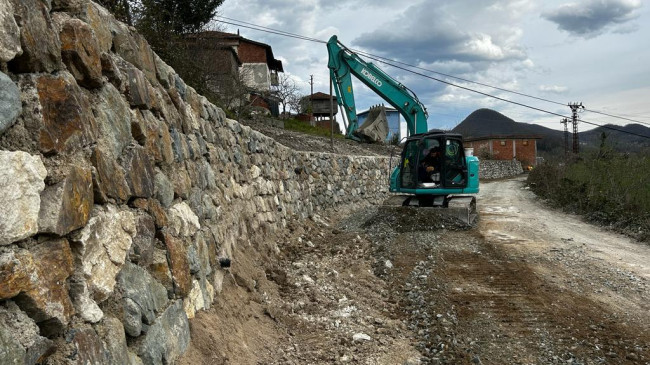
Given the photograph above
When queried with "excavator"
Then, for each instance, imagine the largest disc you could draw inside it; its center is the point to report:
(454, 176)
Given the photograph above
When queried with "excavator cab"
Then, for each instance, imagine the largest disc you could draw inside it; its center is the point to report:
(455, 174)
(449, 167)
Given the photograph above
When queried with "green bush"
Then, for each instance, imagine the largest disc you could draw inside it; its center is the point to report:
(610, 189)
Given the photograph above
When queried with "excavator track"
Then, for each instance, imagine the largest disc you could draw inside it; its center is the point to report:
(462, 207)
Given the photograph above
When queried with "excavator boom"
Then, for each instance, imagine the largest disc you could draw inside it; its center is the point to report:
(344, 63)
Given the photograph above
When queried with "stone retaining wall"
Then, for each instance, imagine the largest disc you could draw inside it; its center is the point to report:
(122, 189)
(496, 169)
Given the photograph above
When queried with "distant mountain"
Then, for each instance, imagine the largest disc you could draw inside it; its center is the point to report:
(488, 122)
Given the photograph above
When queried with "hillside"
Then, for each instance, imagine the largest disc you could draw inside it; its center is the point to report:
(621, 141)
(486, 122)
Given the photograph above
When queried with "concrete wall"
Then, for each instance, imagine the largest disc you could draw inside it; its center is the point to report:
(121, 189)
(256, 76)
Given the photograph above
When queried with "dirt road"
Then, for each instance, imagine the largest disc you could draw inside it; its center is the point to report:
(540, 286)
(527, 285)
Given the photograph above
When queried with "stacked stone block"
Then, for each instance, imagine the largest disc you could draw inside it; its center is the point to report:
(497, 169)
(121, 188)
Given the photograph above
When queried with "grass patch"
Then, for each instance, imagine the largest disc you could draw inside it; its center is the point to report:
(304, 127)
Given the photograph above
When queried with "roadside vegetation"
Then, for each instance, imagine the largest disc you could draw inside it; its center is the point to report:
(304, 127)
(607, 187)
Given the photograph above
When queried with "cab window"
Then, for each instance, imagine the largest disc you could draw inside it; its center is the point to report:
(455, 170)
(409, 164)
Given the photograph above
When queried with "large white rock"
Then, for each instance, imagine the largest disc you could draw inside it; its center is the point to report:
(103, 245)
(21, 182)
(182, 220)
(9, 33)
(85, 306)
(194, 301)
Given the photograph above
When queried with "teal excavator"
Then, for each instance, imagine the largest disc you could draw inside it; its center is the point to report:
(446, 180)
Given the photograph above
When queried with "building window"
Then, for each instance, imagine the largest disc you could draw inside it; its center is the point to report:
(503, 143)
(525, 142)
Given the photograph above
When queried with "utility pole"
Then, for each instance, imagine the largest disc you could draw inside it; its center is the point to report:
(574, 116)
(311, 104)
(331, 115)
(565, 121)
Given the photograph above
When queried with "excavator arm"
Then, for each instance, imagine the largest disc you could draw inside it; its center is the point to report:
(343, 63)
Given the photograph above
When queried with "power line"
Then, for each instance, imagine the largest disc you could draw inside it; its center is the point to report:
(505, 100)
(261, 28)
(383, 60)
(614, 129)
(378, 58)
(459, 78)
(298, 36)
(500, 98)
(465, 88)
(253, 26)
(614, 116)
(641, 114)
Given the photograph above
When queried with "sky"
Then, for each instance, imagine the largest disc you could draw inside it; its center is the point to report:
(593, 51)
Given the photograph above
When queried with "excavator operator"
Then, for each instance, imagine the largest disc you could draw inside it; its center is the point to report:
(430, 165)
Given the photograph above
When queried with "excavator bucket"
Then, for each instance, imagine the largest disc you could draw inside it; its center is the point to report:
(463, 208)
(375, 128)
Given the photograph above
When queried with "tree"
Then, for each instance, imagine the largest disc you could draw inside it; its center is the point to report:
(286, 91)
(294, 102)
(178, 17)
(121, 9)
(234, 95)
(166, 25)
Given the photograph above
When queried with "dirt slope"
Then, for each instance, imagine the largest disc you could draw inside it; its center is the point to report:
(304, 142)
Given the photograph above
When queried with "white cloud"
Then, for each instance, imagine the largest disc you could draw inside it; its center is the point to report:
(553, 89)
(482, 47)
(425, 33)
